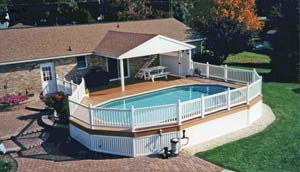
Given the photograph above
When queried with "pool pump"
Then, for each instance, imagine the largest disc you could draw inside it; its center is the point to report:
(174, 147)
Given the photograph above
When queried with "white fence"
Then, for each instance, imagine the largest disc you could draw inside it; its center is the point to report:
(136, 118)
(226, 73)
(65, 86)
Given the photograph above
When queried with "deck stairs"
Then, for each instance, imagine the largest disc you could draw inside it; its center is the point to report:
(139, 74)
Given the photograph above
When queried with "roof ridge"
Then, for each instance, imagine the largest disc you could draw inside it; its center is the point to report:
(85, 24)
(132, 33)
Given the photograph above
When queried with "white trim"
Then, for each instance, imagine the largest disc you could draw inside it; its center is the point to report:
(86, 63)
(127, 55)
(104, 55)
(177, 42)
(52, 68)
(43, 59)
(195, 40)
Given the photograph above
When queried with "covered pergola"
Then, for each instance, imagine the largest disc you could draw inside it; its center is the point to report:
(124, 45)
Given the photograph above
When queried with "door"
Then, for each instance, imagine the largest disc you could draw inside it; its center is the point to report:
(183, 64)
(48, 78)
(113, 66)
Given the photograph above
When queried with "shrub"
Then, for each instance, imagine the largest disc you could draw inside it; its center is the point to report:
(59, 102)
(5, 166)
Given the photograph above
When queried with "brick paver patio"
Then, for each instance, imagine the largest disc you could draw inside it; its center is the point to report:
(14, 121)
(182, 163)
(50, 156)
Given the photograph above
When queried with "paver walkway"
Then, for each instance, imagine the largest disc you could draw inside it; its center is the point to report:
(14, 121)
(33, 162)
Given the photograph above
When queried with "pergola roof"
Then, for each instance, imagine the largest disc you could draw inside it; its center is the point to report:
(123, 45)
(116, 43)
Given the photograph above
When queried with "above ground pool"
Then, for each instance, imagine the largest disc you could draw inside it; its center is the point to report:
(165, 96)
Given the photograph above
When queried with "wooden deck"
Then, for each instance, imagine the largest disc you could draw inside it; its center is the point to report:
(131, 89)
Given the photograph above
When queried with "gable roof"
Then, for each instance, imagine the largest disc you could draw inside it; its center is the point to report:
(116, 43)
(46, 42)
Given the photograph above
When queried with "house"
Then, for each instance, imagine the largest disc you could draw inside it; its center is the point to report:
(30, 58)
(144, 117)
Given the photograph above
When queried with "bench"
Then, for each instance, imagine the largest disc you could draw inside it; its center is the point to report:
(159, 75)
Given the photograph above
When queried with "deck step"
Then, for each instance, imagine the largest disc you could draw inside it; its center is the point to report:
(10, 146)
(31, 140)
(34, 127)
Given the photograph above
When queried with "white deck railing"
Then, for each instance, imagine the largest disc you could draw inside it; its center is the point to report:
(65, 86)
(135, 118)
(226, 73)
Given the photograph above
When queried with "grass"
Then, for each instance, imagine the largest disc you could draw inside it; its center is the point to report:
(275, 149)
(248, 57)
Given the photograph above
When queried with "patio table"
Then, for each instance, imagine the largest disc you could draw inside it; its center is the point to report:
(155, 72)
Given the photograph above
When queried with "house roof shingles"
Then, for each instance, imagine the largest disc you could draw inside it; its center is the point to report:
(43, 42)
(116, 43)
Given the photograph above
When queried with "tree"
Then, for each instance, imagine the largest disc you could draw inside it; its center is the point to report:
(285, 56)
(227, 24)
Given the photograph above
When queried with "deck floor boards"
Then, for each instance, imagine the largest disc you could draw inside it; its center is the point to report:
(101, 96)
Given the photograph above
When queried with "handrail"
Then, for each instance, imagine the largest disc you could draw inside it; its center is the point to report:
(134, 118)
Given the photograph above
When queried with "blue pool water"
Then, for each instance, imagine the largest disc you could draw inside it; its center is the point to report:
(166, 96)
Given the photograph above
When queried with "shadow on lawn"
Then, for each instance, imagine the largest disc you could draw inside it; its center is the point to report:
(296, 90)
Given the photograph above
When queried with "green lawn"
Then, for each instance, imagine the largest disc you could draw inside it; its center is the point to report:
(275, 149)
(248, 57)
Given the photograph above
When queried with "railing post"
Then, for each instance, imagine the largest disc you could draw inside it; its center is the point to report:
(225, 72)
(91, 116)
(253, 75)
(64, 82)
(228, 99)
(207, 69)
(202, 106)
(132, 119)
(71, 86)
(179, 113)
(248, 94)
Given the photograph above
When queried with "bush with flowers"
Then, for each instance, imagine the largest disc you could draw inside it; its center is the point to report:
(9, 100)
(12, 99)
(59, 102)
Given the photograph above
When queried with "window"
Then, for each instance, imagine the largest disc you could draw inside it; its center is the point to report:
(47, 74)
(81, 62)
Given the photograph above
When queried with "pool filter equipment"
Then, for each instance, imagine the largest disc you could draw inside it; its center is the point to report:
(175, 146)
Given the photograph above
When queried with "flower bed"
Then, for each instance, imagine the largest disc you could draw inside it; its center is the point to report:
(11, 99)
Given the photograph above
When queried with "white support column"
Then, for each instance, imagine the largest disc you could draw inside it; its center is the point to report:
(122, 75)
(191, 67)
